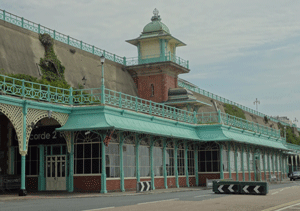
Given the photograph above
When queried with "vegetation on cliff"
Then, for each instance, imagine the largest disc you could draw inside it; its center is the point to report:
(234, 111)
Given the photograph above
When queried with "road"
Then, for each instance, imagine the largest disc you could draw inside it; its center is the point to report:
(280, 197)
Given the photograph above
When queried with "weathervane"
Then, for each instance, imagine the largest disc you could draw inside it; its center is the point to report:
(256, 102)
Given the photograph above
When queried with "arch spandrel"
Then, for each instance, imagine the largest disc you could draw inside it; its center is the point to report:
(15, 116)
(35, 115)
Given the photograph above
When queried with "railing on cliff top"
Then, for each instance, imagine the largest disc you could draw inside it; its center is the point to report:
(47, 93)
(26, 24)
(157, 58)
(224, 100)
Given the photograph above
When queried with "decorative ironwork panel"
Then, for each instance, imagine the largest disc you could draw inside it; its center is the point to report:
(15, 115)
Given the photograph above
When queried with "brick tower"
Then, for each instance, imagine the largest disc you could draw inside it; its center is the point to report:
(157, 67)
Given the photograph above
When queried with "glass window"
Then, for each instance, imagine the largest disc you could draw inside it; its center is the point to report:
(32, 161)
(170, 162)
(87, 153)
(232, 161)
(191, 162)
(129, 165)
(245, 155)
(225, 160)
(158, 161)
(239, 160)
(144, 161)
(209, 158)
(180, 162)
(251, 161)
(112, 156)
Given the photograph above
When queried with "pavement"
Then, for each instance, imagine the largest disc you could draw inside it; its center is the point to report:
(10, 196)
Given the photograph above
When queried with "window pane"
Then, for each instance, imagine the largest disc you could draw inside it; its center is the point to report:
(95, 166)
(87, 150)
(79, 151)
(95, 150)
(87, 166)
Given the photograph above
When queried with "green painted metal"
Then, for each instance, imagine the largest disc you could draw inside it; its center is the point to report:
(196, 165)
(220, 132)
(102, 85)
(277, 165)
(292, 162)
(236, 163)
(186, 164)
(103, 167)
(264, 161)
(229, 168)
(175, 164)
(269, 165)
(164, 163)
(151, 163)
(221, 162)
(137, 144)
(146, 59)
(249, 169)
(122, 187)
(71, 166)
(37, 28)
(181, 83)
(162, 43)
(23, 158)
(243, 165)
(41, 178)
(273, 162)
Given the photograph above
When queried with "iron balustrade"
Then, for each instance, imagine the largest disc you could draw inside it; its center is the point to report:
(37, 28)
(157, 58)
(224, 100)
(47, 93)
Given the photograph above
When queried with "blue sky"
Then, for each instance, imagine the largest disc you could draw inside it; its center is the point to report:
(240, 50)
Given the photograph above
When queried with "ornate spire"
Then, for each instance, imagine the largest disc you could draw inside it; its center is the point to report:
(156, 17)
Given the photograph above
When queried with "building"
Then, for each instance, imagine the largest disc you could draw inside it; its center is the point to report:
(161, 129)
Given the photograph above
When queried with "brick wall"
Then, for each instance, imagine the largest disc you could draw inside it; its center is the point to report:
(161, 82)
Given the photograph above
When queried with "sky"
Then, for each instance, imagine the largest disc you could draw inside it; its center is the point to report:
(239, 50)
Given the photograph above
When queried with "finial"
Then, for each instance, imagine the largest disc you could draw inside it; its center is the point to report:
(155, 12)
(156, 17)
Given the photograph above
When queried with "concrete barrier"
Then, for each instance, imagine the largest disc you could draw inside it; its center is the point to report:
(236, 187)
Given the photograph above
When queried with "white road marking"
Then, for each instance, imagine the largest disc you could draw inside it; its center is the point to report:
(158, 201)
(288, 207)
(274, 193)
(99, 209)
(201, 196)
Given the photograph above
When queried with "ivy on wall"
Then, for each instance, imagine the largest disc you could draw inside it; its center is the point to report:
(290, 135)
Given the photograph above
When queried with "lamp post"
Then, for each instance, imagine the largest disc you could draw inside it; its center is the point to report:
(102, 60)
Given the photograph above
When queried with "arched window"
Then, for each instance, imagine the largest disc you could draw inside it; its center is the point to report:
(152, 90)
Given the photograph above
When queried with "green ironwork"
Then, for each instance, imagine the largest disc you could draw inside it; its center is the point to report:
(196, 165)
(122, 187)
(175, 164)
(186, 167)
(221, 162)
(41, 178)
(236, 163)
(277, 165)
(229, 168)
(164, 163)
(181, 83)
(137, 169)
(151, 163)
(243, 165)
(146, 59)
(23, 156)
(269, 165)
(103, 167)
(37, 28)
(248, 159)
(264, 162)
(70, 187)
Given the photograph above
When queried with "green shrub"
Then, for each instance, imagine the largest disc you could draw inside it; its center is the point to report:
(234, 111)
